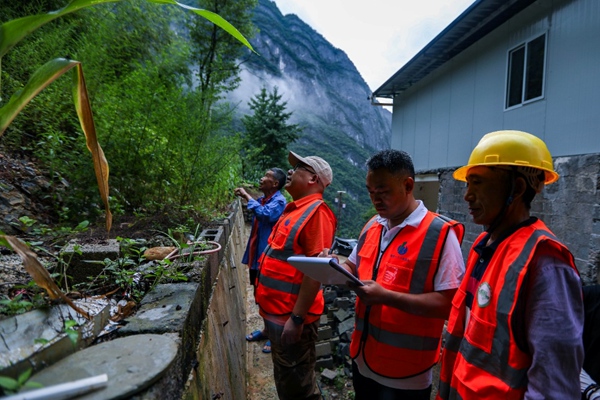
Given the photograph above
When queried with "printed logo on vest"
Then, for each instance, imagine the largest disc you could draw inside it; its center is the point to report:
(390, 274)
(484, 294)
(287, 222)
(402, 249)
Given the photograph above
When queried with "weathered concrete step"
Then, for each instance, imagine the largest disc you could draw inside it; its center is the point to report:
(132, 364)
(37, 339)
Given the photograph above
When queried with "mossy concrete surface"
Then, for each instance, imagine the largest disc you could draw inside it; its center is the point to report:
(186, 340)
(37, 339)
(132, 364)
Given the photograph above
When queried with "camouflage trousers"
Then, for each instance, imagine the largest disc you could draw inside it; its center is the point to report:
(294, 365)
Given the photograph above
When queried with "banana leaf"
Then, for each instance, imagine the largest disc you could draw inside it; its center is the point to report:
(43, 77)
(12, 32)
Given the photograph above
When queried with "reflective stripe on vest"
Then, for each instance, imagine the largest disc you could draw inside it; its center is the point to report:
(496, 362)
(371, 332)
(411, 342)
(278, 282)
(502, 366)
(419, 276)
(282, 286)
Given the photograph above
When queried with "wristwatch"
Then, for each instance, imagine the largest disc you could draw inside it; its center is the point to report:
(297, 320)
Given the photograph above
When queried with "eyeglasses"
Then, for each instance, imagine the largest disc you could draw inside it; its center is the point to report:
(304, 167)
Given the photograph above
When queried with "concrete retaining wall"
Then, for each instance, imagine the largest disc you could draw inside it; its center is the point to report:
(200, 323)
(220, 371)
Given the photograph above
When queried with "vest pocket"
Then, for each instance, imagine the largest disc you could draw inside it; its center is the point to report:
(480, 333)
(395, 277)
(281, 234)
(367, 251)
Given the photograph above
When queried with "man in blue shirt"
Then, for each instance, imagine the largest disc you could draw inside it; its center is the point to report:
(266, 211)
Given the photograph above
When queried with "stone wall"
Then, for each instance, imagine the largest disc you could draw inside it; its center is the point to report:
(570, 207)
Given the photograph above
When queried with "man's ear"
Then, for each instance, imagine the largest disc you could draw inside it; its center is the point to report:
(409, 184)
(520, 187)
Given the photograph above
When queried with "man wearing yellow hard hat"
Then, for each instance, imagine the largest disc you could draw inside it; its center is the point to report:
(515, 329)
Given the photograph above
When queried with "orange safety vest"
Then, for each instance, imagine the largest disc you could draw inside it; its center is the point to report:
(483, 361)
(396, 344)
(278, 281)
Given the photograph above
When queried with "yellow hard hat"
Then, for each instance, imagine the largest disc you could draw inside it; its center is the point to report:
(512, 148)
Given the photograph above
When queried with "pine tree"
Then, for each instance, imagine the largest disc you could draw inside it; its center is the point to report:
(268, 135)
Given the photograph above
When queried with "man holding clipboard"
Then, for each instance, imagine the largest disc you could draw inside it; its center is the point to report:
(410, 264)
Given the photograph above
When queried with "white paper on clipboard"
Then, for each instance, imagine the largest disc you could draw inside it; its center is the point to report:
(323, 269)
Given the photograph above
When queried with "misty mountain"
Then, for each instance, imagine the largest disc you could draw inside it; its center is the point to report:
(327, 97)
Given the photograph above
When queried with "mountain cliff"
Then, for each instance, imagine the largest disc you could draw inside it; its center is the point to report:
(328, 98)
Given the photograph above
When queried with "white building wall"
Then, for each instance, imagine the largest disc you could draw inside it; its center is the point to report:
(440, 119)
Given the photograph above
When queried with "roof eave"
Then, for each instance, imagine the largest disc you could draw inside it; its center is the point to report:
(482, 17)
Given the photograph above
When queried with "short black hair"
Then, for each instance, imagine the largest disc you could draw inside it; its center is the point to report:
(280, 176)
(393, 160)
(530, 192)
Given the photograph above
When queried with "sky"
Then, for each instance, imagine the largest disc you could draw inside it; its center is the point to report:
(379, 36)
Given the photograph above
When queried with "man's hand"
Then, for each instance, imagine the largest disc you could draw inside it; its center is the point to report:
(241, 192)
(291, 333)
(327, 253)
(371, 293)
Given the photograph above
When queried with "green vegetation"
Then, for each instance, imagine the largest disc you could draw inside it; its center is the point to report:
(16, 305)
(71, 331)
(12, 386)
(334, 148)
(27, 297)
(268, 134)
(169, 145)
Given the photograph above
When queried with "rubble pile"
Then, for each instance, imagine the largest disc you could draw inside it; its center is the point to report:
(335, 330)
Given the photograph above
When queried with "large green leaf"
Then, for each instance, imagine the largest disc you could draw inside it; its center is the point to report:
(13, 31)
(212, 17)
(43, 77)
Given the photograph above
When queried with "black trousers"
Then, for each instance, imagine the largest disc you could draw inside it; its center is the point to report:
(368, 389)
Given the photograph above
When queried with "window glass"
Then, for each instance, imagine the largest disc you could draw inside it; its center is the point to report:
(515, 76)
(526, 72)
(535, 68)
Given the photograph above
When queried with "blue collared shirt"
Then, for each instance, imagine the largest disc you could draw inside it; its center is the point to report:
(266, 216)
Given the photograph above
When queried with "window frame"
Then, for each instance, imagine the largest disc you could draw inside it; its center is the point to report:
(525, 45)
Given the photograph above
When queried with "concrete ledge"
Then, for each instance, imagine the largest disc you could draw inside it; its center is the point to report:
(221, 352)
(87, 259)
(132, 364)
(203, 322)
(20, 344)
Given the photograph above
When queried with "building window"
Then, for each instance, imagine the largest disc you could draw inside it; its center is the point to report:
(525, 81)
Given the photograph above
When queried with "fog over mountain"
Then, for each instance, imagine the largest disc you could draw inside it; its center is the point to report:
(328, 98)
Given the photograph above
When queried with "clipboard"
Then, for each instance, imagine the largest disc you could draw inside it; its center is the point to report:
(324, 269)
